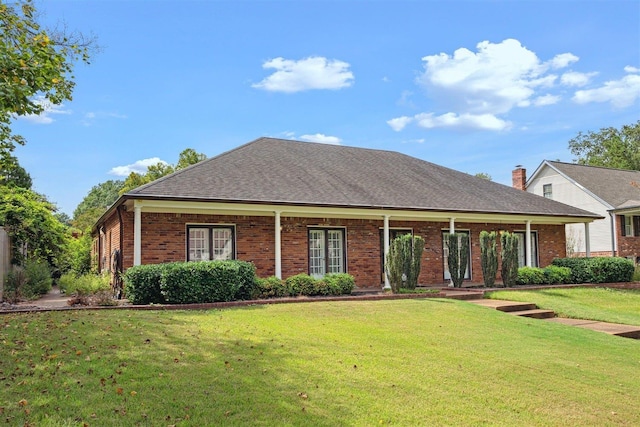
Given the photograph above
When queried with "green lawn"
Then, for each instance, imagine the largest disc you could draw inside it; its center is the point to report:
(399, 362)
(603, 304)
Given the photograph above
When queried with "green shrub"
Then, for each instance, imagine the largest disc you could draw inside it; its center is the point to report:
(458, 257)
(85, 284)
(488, 257)
(13, 285)
(142, 284)
(509, 270)
(301, 284)
(207, 281)
(270, 287)
(340, 283)
(556, 275)
(38, 279)
(404, 261)
(580, 268)
(611, 270)
(598, 269)
(530, 276)
(636, 274)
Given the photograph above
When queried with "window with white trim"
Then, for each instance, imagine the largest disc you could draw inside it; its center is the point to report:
(547, 191)
(210, 242)
(522, 252)
(628, 225)
(326, 251)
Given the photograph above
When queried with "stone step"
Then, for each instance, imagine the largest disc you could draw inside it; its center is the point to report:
(534, 313)
(506, 306)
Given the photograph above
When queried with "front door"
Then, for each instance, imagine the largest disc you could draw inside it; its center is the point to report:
(393, 233)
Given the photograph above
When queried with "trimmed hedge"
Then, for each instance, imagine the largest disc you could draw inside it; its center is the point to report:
(598, 269)
(549, 275)
(190, 282)
(303, 284)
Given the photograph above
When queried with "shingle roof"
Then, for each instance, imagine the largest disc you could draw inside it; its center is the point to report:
(617, 187)
(270, 170)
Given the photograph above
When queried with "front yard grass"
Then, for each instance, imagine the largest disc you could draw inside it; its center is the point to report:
(395, 362)
(601, 304)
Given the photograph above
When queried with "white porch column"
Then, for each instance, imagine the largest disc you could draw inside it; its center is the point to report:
(527, 242)
(587, 240)
(278, 247)
(137, 235)
(385, 232)
(452, 225)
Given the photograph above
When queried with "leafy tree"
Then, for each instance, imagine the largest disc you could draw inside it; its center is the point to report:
(609, 147)
(509, 269)
(187, 158)
(100, 196)
(14, 175)
(483, 175)
(36, 68)
(488, 257)
(458, 257)
(29, 220)
(404, 262)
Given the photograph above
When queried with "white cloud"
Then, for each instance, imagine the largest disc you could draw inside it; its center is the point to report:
(45, 117)
(469, 121)
(620, 93)
(547, 99)
(91, 117)
(315, 72)
(630, 69)
(324, 139)
(573, 78)
(563, 60)
(399, 123)
(139, 167)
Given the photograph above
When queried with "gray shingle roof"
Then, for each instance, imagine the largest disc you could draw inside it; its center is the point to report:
(617, 187)
(270, 170)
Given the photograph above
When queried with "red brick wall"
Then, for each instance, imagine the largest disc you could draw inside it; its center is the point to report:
(164, 240)
(628, 246)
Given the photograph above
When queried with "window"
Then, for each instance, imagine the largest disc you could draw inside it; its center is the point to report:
(522, 252)
(210, 242)
(326, 251)
(547, 191)
(628, 225)
(445, 255)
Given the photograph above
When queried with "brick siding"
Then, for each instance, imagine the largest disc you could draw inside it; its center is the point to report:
(164, 240)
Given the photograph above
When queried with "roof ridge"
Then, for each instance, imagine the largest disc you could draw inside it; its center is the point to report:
(592, 166)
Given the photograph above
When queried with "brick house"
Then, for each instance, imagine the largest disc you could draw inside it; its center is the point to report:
(614, 194)
(296, 207)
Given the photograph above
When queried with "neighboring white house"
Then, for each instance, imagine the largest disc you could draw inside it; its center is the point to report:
(612, 193)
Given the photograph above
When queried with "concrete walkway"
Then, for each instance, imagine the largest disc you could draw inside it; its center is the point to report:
(531, 310)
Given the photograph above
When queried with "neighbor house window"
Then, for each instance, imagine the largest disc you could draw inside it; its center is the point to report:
(628, 225)
(547, 191)
(326, 251)
(445, 254)
(210, 242)
(522, 250)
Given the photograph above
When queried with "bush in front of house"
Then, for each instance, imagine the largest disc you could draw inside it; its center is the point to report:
(142, 284)
(404, 262)
(598, 269)
(30, 281)
(509, 268)
(489, 257)
(208, 281)
(305, 285)
(550, 275)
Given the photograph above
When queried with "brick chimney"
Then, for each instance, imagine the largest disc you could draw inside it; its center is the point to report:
(519, 178)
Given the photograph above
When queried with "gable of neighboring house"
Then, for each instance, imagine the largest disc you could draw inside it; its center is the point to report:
(295, 207)
(612, 193)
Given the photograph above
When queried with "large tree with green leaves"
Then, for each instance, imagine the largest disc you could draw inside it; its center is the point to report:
(187, 158)
(36, 66)
(609, 147)
(97, 200)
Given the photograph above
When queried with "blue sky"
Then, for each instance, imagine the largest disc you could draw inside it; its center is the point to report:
(477, 86)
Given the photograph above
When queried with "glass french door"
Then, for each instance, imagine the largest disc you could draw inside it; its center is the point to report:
(326, 251)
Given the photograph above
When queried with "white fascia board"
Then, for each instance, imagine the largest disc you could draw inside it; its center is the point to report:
(247, 209)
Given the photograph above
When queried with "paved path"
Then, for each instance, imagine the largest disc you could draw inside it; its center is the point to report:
(522, 308)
